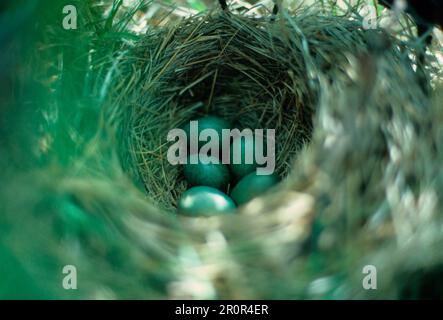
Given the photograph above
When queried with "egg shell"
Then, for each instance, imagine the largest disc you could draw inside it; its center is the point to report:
(246, 146)
(206, 174)
(252, 186)
(208, 122)
(204, 201)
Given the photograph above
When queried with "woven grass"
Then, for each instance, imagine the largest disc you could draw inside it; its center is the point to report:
(231, 66)
(252, 72)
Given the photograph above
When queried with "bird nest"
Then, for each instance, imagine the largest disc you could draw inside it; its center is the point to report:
(240, 69)
(357, 143)
(343, 101)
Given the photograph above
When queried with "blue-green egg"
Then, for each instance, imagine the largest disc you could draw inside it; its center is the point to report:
(204, 201)
(208, 122)
(244, 147)
(206, 172)
(252, 186)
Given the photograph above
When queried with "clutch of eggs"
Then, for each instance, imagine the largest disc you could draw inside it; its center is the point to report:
(208, 177)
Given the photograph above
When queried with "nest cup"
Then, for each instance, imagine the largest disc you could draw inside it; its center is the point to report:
(235, 67)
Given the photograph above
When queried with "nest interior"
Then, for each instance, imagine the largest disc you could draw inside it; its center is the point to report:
(235, 67)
